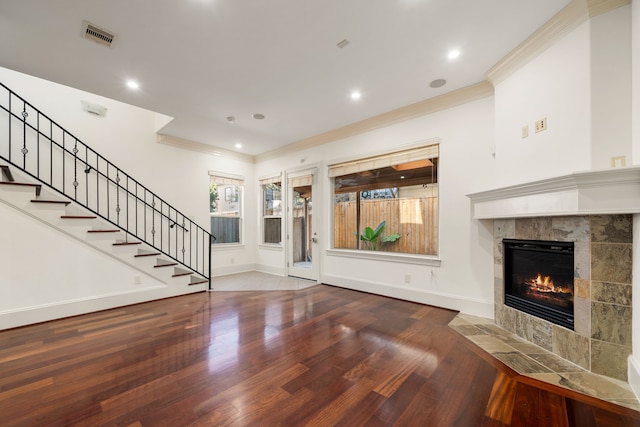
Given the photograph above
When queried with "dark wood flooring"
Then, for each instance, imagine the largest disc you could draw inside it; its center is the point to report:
(322, 356)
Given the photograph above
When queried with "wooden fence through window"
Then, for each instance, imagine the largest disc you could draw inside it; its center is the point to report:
(415, 219)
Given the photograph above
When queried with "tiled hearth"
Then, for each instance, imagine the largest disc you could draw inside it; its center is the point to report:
(601, 341)
(535, 362)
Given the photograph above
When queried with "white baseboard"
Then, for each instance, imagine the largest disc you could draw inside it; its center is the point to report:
(633, 373)
(471, 306)
(45, 313)
(280, 271)
(232, 269)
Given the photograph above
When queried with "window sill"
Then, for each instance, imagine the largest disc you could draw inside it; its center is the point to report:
(428, 260)
(226, 246)
(270, 247)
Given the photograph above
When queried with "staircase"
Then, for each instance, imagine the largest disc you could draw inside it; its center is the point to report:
(49, 174)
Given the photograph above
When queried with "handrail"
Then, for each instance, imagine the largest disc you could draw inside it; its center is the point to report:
(103, 182)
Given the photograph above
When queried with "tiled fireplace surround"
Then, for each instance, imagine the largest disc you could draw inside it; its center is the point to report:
(593, 209)
(601, 341)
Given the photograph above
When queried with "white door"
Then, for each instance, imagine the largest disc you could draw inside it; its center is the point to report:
(302, 239)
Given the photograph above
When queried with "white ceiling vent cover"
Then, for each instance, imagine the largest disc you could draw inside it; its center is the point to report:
(97, 34)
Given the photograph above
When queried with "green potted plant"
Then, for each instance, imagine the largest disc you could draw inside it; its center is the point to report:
(373, 239)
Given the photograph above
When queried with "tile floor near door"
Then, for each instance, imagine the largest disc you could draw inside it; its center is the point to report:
(523, 357)
(257, 281)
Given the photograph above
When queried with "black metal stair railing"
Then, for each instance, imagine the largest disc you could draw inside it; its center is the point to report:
(41, 148)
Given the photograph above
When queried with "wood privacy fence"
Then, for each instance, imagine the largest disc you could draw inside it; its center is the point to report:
(415, 219)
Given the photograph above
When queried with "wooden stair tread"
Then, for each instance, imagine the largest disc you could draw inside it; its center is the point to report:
(126, 243)
(169, 264)
(103, 231)
(147, 254)
(61, 202)
(37, 187)
(184, 273)
(79, 216)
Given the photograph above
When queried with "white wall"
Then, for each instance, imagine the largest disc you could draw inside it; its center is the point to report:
(611, 88)
(46, 274)
(126, 136)
(555, 85)
(635, 82)
(634, 359)
(465, 278)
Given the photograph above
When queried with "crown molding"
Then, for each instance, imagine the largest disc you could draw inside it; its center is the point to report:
(565, 21)
(187, 144)
(421, 108)
(598, 7)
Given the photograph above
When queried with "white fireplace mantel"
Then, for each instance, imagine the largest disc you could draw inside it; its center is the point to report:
(609, 191)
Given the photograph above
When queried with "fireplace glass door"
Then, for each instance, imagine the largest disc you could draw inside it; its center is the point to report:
(539, 279)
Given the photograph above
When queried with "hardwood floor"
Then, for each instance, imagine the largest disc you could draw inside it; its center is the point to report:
(321, 356)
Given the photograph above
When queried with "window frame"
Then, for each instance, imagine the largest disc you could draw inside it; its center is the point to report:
(276, 179)
(226, 181)
(402, 154)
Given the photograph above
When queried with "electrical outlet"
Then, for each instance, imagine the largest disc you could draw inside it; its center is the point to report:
(407, 278)
(137, 280)
(525, 131)
(541, 125)
(620, 161)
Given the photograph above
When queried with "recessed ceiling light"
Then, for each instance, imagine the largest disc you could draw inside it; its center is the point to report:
(356, 95)
(258, 116)
(453, 54)
(132, 84)
(438, 83)
(238, 145)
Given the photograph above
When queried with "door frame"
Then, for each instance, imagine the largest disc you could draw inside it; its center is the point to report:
(304, 273)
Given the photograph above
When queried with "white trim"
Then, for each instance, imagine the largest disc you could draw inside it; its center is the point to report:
(271, 246)
(608, 191)
(311, 170)
(186, 144)
(230, 269)
(59, 310)
(263, 268)
(473, 306)
(399, 258)
(301, 171)
(448, 100)
(568, 19)
(226, 246)
(633, 375)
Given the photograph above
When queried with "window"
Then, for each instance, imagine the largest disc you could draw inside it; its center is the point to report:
(271, 210)
(388, 202)
(225, 208)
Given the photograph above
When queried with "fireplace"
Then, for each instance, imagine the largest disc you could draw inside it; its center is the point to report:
(539, 279)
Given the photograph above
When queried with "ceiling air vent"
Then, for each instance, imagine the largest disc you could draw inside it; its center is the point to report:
(96, 34)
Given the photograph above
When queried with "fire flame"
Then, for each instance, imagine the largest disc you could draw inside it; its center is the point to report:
(544, 284)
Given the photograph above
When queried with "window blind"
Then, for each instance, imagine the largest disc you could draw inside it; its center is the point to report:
(385, 160)
(223, 179)
(301, 181)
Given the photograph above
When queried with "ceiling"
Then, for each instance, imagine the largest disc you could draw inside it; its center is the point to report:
(201, 61)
